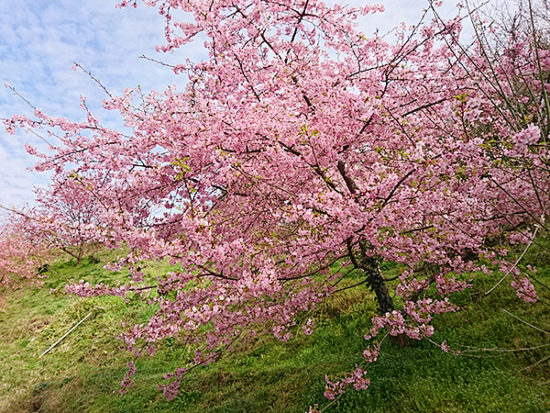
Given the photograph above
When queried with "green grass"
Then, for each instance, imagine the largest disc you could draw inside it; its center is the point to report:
(83, 373)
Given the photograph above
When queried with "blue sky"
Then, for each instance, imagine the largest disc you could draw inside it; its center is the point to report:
(40, 40)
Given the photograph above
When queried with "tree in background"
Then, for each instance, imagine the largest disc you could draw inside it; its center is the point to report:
(68, 223)
(511, 67)
(59, 220)
(22, 256)
(303, 151)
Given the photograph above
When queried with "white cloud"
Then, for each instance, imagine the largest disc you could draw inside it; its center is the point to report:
(40, 41)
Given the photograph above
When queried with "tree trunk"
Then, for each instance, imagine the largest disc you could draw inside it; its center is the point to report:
(378, 285)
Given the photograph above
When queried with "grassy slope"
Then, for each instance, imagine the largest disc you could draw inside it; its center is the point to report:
(83, 372)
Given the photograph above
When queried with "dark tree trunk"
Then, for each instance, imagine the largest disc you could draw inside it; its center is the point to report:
(376, 282)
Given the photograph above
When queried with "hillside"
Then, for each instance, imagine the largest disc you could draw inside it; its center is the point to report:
(83, 373)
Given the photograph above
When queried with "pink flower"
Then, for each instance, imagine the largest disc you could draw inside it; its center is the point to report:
(528, 136)
(525, 290)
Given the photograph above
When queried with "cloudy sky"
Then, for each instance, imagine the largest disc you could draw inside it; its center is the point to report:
(40, 40)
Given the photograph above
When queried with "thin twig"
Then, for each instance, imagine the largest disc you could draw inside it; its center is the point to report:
(95, 79)
(542, 360)
(525, 322)
(504, 350)
(516, 263)
(64, 335)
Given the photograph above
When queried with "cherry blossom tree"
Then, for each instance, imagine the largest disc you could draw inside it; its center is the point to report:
(21, 256)
(68, 223)
(302, 150)
(59, 220)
